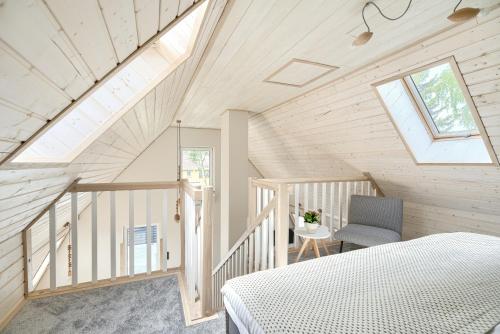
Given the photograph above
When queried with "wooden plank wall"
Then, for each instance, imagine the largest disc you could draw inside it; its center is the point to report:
(341, 128)
(11, 276)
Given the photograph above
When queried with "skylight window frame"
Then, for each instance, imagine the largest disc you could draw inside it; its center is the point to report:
(424, 113)
(468, 99)
(9, 159)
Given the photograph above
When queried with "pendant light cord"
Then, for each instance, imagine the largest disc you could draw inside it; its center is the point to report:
(383, 15)
(178, 150)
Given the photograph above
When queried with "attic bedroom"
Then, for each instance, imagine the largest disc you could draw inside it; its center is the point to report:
(249, 166)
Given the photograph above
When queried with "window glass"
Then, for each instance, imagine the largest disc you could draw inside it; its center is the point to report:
(75, 131)
(197, 165)
(141, 249)
(443, 101)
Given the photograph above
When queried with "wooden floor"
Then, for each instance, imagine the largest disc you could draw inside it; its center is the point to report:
(333, 248)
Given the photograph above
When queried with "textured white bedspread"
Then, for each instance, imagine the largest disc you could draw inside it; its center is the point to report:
(443, 283)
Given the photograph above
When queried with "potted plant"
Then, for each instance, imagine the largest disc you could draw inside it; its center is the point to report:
(311, 220)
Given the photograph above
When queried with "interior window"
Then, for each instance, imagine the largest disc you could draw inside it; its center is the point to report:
(442, 102)
(197, 165)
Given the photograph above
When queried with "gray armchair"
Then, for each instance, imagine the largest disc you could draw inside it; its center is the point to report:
(372, 221)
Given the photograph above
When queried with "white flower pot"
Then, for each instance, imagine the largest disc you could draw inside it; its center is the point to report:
(311, 227)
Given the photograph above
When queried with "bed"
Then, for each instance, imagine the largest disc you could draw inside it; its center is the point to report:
(443, 283)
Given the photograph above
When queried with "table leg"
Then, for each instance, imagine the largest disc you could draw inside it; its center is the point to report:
(304, 245)
(324, 246)
(316, 250)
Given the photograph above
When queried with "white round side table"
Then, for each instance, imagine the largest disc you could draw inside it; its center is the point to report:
(320, 234)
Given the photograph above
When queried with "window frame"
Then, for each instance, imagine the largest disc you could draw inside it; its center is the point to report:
(423, 111)
(468, 99)
(210, 157)
(125, 243)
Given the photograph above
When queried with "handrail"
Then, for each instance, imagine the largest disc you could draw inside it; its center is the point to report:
(265, 183)
(250, 229)
(374, 184)
(273, 182)
(194, 192)
(95, 187)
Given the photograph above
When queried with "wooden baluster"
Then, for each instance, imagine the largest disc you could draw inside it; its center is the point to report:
(28, 253)
(148, 232)
(94, 237)
(341, 200)
(74, 238)
(245, 257)
(271, 239)
(252, 201)
(259, 200)
(164, 225)
(257, 248)
(332, 209)
(251, 253)
(306, 197)
(206, 251)
(265, 230)
(297, 211)
(112, 221)
(323, 204)
(315, 196)
(347, 201)
(131, 233)
(53, 246)
(282, 224)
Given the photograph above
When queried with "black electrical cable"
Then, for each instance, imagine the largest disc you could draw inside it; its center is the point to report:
(383, 15)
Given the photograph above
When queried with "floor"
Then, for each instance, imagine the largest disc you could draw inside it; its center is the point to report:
(150, 306)
(332, 249)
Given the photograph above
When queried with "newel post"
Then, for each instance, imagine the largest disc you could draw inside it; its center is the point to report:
(281, 236)
(252, 201)
(206, 255)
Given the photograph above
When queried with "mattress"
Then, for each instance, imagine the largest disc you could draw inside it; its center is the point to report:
(443, 283)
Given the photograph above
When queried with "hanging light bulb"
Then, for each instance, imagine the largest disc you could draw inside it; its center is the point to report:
(463, 14)
(364, 37)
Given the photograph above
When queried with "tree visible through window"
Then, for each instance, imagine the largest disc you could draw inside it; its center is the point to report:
(442, 101)
(196, 165)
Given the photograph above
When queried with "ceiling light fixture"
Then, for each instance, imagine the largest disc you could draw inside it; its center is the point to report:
(463, 14)
(364, 37)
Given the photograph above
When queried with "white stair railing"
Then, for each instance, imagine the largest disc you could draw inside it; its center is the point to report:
(103, 249)
(274, 206)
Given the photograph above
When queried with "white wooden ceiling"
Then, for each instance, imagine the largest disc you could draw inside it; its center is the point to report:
(261, 36)
(49, 56)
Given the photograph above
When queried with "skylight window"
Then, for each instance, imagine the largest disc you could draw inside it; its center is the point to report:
(69, 136)
(436, 117)
(442, 102)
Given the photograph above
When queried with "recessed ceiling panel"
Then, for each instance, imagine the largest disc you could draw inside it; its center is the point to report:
(298, 73)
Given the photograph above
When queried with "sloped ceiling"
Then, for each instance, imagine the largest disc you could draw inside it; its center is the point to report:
(50, 53)
(336, 125)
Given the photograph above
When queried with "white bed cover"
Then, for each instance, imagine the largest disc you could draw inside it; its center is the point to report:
(443, 283)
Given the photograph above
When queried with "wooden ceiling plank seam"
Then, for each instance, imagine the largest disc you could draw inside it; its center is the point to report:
(119, 17)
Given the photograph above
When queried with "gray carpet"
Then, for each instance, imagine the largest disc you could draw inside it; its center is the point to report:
(151, 306)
